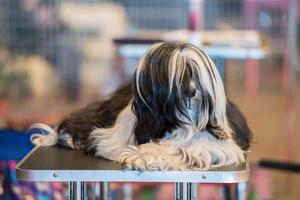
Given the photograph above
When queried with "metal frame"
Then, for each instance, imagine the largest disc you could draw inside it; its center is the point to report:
(183, 191)
(134, 176)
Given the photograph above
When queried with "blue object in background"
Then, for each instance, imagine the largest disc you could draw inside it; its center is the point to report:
(14, 145)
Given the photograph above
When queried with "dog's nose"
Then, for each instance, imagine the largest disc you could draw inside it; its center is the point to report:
(193, 92)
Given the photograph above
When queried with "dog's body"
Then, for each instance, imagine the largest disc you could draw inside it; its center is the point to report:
(172, 115)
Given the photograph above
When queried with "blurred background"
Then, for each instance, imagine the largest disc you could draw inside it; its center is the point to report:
(57, 56)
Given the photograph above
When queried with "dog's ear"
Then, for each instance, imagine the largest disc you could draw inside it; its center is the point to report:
(242, 133)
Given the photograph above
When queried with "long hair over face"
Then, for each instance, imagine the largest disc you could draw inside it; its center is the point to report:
(174, 85)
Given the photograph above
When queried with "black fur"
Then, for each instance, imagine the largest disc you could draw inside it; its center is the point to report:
(98, 114)
(242, 133)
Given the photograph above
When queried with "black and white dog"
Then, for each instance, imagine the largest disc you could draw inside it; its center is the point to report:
(173, 115)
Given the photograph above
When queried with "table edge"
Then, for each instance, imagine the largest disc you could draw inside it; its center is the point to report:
(130, 175)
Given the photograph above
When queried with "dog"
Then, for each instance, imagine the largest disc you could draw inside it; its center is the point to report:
(172, 115)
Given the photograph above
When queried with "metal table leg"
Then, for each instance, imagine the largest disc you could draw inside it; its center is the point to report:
(185, 191)
(77, 191)
(241, 190)
(71, 189)
(105, 193)
(127, 190)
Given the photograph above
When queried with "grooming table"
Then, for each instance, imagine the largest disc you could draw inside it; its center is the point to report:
(64, 165)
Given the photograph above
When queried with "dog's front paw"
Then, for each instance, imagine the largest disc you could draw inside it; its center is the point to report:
(208, 152)
(226, 153)
(152, 157)
(131, 158)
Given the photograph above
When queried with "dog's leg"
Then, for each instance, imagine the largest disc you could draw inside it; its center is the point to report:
(153, 156)
(215, 152)
(164, 154)
(202, 152)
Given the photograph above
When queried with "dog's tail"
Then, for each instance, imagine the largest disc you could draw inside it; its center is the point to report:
(43, 135)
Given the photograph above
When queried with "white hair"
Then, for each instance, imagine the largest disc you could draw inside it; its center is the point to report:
(110, 142)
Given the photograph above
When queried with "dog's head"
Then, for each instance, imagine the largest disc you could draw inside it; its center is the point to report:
(177, 84)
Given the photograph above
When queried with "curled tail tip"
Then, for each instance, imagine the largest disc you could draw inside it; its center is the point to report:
(42, 134)
(42, 127)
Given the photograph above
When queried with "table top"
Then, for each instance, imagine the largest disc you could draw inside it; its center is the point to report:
(61, 164)
(226, 52)
(227, 44)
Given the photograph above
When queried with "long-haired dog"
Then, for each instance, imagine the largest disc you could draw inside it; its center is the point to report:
(173, 115)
